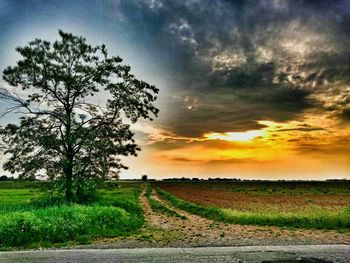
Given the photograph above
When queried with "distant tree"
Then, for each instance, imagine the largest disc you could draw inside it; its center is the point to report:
(185, 179)
(4, 178)
(64, 130)
(144, 178)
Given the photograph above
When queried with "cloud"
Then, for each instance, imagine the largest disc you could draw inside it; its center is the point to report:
(229, 110)
(224, 161)
(247, 60)
(180, 159)
(302, 129)
(345, 114)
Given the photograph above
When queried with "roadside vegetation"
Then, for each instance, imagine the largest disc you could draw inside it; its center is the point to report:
(28, 218)
(158, 206)
(316, 218)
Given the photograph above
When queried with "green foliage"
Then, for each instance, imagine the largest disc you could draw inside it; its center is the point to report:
(66, 135)
(41, 221)
(144, 178)
(62, 223)
(149, 191)
(21, 185)
(126, 198)
(319, 219)
(157, 206)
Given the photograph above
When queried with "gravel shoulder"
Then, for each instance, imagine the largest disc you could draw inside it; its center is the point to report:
(276, 254)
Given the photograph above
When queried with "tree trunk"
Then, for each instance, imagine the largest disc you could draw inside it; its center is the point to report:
(69, 153)
(78, 192)
(69, 180)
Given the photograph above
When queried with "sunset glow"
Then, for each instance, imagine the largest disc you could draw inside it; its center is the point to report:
(234, 136)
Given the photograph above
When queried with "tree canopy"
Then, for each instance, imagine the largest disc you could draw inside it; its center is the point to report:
(76, 104)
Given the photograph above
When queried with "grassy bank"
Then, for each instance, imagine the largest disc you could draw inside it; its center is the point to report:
(319, 220)
(28, 222)
(159, 207)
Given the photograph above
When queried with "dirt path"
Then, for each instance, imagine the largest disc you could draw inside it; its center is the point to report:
(198, 231)
(162, 230)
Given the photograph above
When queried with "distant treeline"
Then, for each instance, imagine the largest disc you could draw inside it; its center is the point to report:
(5, 178)
(200, 179)
(218, 179)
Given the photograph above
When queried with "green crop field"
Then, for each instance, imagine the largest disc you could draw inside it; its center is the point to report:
(29, 219)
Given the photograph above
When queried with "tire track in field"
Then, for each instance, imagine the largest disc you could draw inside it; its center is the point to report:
(198, 231)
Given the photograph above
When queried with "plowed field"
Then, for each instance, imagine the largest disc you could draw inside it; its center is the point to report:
(223, 197)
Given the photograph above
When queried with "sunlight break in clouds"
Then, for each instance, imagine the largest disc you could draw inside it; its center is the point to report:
(234, 136)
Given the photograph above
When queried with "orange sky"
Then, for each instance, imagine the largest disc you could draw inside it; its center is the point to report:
(316, 147)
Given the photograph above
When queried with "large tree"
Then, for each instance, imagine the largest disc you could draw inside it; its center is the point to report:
(76, 103)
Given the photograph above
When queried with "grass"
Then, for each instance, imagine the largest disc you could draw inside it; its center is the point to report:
(62, 223)
(10, 197)
(14, 200)
(148, 191)
(28, 222)
(318, 220)
(20, 184)
(159, 207)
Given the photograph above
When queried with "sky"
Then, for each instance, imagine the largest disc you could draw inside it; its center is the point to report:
(251, 89)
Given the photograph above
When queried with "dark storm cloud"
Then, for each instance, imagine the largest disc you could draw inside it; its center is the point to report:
(330, 149)
(302, 129)
(251, 40)
(218, 161)
(236, 62)
(227, 63)
(207, 144)
(345, 114)
(221, 66)
(193, 113)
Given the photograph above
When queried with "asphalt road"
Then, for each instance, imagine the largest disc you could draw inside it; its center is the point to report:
(316, 253)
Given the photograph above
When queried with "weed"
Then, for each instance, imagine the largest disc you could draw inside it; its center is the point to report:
(157, 206)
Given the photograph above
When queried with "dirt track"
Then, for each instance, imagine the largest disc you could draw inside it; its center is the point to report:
(197, 231)
(162, 230)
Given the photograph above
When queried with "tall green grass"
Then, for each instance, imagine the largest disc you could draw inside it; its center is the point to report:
(62, 223)
(40, 222)
(318, 220)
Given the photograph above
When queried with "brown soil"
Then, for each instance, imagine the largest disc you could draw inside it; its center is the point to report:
(250, 202)
(198, 231)
(162, 230)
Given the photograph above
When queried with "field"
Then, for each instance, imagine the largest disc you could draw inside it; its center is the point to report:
(324, 205)
(29, 219)
(178, 213)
